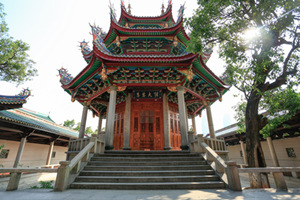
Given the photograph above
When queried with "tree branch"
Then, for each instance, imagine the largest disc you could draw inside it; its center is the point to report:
(281, 79)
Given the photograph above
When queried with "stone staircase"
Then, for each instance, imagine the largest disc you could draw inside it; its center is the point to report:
(138, 170)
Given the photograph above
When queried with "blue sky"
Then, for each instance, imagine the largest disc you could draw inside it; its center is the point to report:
(53, 29)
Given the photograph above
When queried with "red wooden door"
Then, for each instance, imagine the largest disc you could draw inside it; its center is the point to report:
(146, 126)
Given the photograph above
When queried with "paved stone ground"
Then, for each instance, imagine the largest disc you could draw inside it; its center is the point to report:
(45, 194)
(30, 180)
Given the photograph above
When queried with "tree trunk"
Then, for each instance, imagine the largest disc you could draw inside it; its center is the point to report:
(254, 151)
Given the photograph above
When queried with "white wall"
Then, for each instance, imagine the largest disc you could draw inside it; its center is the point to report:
(33, 154)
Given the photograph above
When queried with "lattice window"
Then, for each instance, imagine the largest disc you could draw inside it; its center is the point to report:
(290, 152)
(4, 153)
(53, 154)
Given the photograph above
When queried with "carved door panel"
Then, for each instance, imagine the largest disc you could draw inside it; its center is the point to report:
(147, 129)
(119, 128)
(135, 131)
(147, 126)
(174, 128)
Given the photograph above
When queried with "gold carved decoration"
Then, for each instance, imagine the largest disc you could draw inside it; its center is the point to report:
(121, 88)
(190, 75)
(103, 74)
(175, 41)
(172, 89)
(118, 41)
(88, 103)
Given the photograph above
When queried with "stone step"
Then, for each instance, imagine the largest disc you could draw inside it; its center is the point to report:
(148, 179)
(149, 186)
(145, 159)
(141, 163)
(147, 155)
(146, 168)
(147, 173)
(133, 152)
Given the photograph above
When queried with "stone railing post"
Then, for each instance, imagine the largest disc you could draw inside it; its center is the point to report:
(14, 180)
(200, 139)
(233, 176)
(94, 139)
(279, 181)
(196, 146)
(191, 140)
(62, 176)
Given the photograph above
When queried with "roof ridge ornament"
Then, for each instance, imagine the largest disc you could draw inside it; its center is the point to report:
(112, 12)
(65, 77)
(85, 49)
(123, 5)
(25, 93)
(180, 13)
(129, 8)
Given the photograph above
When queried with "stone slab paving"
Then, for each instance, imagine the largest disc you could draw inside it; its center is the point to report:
(45, 194)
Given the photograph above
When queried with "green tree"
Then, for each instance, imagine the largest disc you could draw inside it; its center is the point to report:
(89, 131)
(259, 40)
(71, 124)
(15, 65)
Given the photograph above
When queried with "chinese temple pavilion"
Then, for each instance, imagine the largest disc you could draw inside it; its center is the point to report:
(140, 77)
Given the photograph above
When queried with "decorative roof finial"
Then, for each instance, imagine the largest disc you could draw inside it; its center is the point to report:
(162, 8)
(85, 50)
(65, 77)
(180, 13)
(129, 8)
(123, 5)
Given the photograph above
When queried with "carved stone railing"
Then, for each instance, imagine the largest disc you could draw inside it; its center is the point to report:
(75, 146)
(78, 145)
(68, 170)
(15, 175)
(276, 171)
(227, 171)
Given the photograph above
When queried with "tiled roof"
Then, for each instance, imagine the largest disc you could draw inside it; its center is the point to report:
(36, 120)
(229, 130)
(12, 99)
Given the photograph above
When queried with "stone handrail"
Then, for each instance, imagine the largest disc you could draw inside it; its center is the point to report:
(78, 145)
(67, 169)
(229, 171)
(225, 170)
(28, 170)
(215, 144)
(277, 174)
(269, 169)
(16, 173)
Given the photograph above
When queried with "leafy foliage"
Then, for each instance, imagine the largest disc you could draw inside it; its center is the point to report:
(71, 124)
(44, 185)
(15, 65)
(259, 41)
(282, 105)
